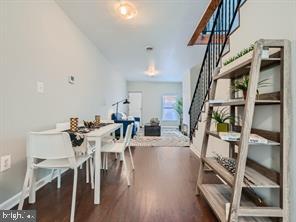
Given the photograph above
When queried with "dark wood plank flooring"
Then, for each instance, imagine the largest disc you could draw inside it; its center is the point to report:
(162, 190)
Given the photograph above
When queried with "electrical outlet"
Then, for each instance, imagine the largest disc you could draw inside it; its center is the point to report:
(40, 87)
(5, 163)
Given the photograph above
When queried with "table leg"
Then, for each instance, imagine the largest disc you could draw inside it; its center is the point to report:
(32, 191)
(97, 161)
(121, 138)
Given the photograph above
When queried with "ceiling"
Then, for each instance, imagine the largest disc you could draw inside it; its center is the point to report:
(166, 25)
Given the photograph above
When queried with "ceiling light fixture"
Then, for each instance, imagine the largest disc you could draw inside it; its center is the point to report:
(127, 10)
(151, 71)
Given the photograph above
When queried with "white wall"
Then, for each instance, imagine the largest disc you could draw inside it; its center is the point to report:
(152, 93)
(40, 43)
(215, 145)
(186, 92)
(194, 74)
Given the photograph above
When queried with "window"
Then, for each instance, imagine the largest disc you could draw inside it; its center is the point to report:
(168, 108)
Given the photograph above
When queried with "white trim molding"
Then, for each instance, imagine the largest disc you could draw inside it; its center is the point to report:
(14, 200)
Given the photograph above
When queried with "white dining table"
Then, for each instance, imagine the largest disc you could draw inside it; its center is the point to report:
(96, 136)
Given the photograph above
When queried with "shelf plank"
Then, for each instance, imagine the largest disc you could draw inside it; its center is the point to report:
(241, 102)
(270, 142)
(218, 197)
(257, 180)
(242, 65)
(260, 211)
(254, 219)
(268, 134)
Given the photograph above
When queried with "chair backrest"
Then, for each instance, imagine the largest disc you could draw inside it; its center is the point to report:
(63, 126)
(66, 126)
(128, 134)
(55, 145)
(107, 121)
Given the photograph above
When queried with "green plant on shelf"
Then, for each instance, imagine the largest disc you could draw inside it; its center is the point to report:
(238, 55)
(243, 84)
(220, 116)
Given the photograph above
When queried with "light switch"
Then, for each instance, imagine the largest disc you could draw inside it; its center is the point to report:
(40, 87)
(5, 163)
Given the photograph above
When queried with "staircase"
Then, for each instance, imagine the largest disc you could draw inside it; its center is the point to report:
(223, 22)
(204, 35)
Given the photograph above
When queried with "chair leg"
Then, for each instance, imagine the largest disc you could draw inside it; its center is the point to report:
(131, 156)
(92, 173)
(126, 169)
(73, 196)
(116, 156)
(102, 161)
(87, 171)
(107, 155)
(32, 190)
(52, 175)
(59, 179)
(105, 161)
(25, 186)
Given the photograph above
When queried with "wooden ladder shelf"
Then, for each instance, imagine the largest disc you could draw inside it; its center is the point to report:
(228, 200)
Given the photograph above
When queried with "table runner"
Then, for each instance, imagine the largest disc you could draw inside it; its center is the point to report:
(77, 138)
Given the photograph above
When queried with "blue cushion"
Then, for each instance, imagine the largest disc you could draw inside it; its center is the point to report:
(118, 119)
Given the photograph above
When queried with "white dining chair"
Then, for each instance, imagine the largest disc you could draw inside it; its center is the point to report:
(120, 147)
(85, 147)
(50, 151)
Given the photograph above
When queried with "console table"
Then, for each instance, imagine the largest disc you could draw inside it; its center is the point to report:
(152, 130)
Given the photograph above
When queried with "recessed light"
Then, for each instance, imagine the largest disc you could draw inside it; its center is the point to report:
(127, 10)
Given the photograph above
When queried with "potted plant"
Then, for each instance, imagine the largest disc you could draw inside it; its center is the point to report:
(243, 84)
(220, 117)
(179, 110)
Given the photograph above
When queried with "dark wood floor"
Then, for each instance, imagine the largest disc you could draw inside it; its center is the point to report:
(162, 190)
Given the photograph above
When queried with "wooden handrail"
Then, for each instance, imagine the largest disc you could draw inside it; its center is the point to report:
(213, 5)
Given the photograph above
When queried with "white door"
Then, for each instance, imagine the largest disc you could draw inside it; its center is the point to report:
(135, 106)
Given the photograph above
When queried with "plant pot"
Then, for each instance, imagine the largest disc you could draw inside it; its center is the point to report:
(245, 94)
(222, 127)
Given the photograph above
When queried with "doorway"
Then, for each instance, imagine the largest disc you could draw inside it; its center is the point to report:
(135, 106)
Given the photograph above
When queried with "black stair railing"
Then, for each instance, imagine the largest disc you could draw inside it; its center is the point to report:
(221, 22)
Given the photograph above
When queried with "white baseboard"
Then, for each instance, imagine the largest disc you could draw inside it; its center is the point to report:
(14, 200)
(170, 127)
(195, 151)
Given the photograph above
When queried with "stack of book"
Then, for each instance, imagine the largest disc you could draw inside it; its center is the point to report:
(234, 136)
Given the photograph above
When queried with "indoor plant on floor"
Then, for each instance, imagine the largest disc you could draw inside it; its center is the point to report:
(179, 110)
(221, 116)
